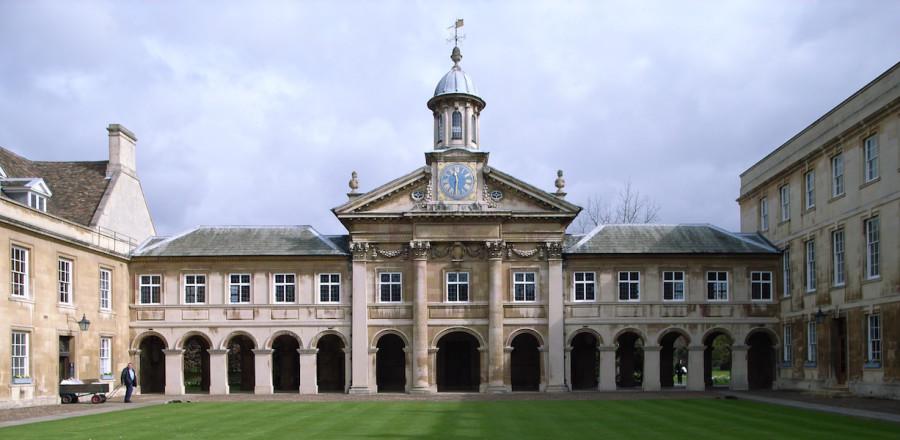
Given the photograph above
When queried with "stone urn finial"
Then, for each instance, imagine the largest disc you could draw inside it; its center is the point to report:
(560, 184)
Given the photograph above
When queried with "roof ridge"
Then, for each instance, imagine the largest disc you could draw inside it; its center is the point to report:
(735, 235)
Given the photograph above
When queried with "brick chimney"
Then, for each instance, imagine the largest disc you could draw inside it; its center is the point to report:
(122, 144)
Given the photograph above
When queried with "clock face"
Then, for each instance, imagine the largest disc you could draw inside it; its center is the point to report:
(457, 181)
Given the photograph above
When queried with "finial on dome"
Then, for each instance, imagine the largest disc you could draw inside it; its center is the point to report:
(456, 56)
(560, 184)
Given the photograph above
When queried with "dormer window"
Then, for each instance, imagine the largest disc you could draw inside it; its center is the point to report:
(37, 201)
(456, 126)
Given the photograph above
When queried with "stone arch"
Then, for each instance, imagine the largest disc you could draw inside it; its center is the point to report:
(588, 330)
(630, 343)
(524, 359)
(179, 344)
(195, 361)
(447, 331)
(528, 330)
(275, 336)
(717, 367)
(232, 335)
(459, 361)
(673, 345)
(669, 330)
(769, 332)
(392, 360)
(315, 340)
(136, 342)
(389, 331)
(715, 330)
(640, 334)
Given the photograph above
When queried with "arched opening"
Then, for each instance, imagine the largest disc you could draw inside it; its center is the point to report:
(525, 363)
(760, 361)
(439, 120)
(153, 365)
(456, 126)
(717, 359)
(673, 360)
(286, 364)
(330, 364)
(585, 362)
(195, 364)
(390, 364)
(474, 130)
(458, 363)
(241, 365)
(629, 360)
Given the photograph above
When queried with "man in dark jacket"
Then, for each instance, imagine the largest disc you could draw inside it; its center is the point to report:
(129, 379)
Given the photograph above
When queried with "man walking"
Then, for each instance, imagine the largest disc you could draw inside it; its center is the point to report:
(129, 379)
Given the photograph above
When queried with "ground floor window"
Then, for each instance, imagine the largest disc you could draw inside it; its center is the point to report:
(788, 345)
(20, 367)
(105, 356)
(811, 343)
(874, 340)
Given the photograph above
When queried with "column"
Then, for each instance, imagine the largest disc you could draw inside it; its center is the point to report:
(174, 372)
(359, 339)
(420, 359)
(555, 322)
(308, 376)
(695, 368)
(495, 317)
(651, 368)
(218, 371)
(739, 367)
(262, 369)
(135, 359)
(607, 368)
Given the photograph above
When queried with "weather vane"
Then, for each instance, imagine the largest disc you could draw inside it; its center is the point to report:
(456, 35)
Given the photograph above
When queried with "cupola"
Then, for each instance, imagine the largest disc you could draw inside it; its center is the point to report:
(456, 107)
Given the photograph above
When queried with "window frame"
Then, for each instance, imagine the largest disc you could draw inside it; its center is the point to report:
(21, 351)
(716, 284)
(809, 264)
(284, 284)
(787, 351)
(786, 272)
(105, 289)
(674, 282)
(448, 283)
(764, 214)
(105, 361)
(762, 283)
(873, 247)
(331, 284)
(784, 199)
(874, 348)
(584, 283)
(838, 258)
(870, 161)
(456, 125)
(37, 201)
(240, 284)
(525, 283)
(812, 343)
(197, 286)
(809, 190)
(25, 265)
(440, 128)
(65, 280)
(837, 175)
(629, 282)
(390, 284)
(150, 285)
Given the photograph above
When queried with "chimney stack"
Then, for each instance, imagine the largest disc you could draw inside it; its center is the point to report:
(122, 144)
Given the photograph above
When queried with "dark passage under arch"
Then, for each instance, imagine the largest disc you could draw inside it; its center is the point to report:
(196, 365)
(153, 365)
(390, 364)
(458, 363)
(525, 363)
(584, 362)
(286, 364)
(330, 364)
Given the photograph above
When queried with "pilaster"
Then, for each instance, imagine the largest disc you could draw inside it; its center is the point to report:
(174, 372)
(218, 371)
(607, 380)
(308, 373)
(739, 367)
(262, 369)
(651, 368)
(695, 368)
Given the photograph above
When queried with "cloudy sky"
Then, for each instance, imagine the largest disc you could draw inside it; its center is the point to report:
(255, 113)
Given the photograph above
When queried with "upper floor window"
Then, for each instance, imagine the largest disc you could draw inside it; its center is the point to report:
(764, 214)
(20, 355)
(37, 201)
(105, 355)
(584, 286)
(524, 286)
(810, 181)
(105, 289)
(811, 266)
(673, 286)
(784, 194)
(873, 339)
(629, 286)
(150, 287)
(457, 286)
(194, 289)
(19, 271)
(390, 287)
(837, 175)
(760, 286)
(717, 286)
(285, 287)
(870, 152)
(873, 237)
(456, 126)
(811, 342)
(788, 346)
(239, 288)
(65, 281)
(837, 257)
(786, 271)
(330, 287)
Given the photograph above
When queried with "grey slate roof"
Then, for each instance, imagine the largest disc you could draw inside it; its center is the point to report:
(667, 239)
(216, 241)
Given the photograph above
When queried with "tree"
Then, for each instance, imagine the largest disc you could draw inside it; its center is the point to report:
(630, 207)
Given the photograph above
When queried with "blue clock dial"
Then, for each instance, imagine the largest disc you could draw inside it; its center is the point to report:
(457, 181)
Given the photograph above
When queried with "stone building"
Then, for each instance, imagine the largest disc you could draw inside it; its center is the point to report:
(830, 199)
(68, 229)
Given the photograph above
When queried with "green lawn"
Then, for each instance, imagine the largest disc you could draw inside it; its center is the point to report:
(637, 419)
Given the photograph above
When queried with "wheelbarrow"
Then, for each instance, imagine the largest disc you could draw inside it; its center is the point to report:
(71, 393)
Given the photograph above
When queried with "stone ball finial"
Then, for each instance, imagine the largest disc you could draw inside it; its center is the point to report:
(560, 184)
(354, 182)
(456, 56)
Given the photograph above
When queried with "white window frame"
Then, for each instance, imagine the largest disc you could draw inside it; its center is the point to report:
(285, 286)
(759, 277)
(394, 281)
(717, 294)
(838, 275)
(146, 280)
(870, 158)
(809, 180)
(873, 248)
(837, 175)
(809, 261)
(105, 289)
(20, 354)
(787, 353)
(458, 283)
(193, 288)
(873, 339)
(629, 282)
(105, 355)
(65, 269)
(812, 343)
(784, 194)
(584, 283)
(524, 283)
(786, 272)
(764, 214)
(18, 271)
(37, 201)
(333, 286)
(240, 284)
(666, 279)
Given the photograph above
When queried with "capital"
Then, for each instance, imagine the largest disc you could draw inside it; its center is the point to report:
(495, 249)
(419, 249)
(359, 250)
(554, 250)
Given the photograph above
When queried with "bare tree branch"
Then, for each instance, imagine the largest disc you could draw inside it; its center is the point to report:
(631, 207)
